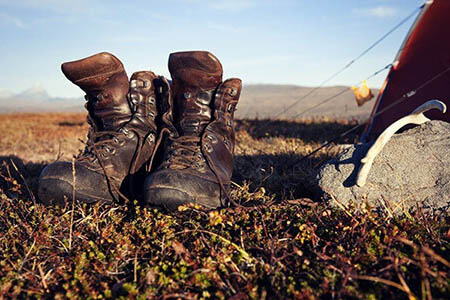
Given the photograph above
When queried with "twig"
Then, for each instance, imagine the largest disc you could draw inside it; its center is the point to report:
(176, 296)
(135, 264)
(43, 276)
(406, 287)
(380, 280)
(239, 249)
(28, 253)
(24, 181)
(426, 250)
(437, 257)
(341, 206)
(59, 155)
(73, 203)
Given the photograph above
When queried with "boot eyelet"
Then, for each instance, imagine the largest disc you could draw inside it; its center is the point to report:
(147, 83)
(229, 123)
(127, 133)
(230, 108)
(203, 98)
(118, 141)
(226, 143)
(208, 148)
(151, 100)
(151, 114)
(233, 92)
(135, 97)
(187, 95)
(151, 137)
(212, 138)
(133, 83)
(100, 97)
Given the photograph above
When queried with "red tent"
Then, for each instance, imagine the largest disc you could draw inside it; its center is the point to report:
(421, 71)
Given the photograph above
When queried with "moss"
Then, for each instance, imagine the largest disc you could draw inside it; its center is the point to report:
(269, 249)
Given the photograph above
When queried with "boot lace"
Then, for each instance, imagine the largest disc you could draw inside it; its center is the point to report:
(101, 144)
(185, 152)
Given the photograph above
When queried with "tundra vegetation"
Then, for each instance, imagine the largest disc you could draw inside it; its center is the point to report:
(278, 244)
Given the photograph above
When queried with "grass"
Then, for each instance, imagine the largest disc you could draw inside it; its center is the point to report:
(280, 245)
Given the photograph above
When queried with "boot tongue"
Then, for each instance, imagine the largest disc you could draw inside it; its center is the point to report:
(110, 107)
(195, 76)
(194, 112)
(103, 78)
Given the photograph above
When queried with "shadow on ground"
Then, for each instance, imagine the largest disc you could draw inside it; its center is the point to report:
(71, 124)
(308, 131)
(285, 176)
(18, 177)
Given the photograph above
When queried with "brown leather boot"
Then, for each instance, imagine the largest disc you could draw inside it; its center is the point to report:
(121, 138)
(198, 160)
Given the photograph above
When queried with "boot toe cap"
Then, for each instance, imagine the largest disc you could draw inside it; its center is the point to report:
(170, 189)
(56, 185)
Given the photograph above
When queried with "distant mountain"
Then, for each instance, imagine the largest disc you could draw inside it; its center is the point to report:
(269, 100)
(5, 93)
(36, 99)
(257, 101)
(35, 93)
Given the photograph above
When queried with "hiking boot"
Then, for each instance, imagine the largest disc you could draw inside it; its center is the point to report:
(121, 137)
(198, 159)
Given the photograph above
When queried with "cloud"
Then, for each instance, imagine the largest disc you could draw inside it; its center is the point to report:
(54, 11)
(7, 19)
(378, 11)
(232, 5)
(61, 6)
(227, 28)
(262, 61)
(128, 39)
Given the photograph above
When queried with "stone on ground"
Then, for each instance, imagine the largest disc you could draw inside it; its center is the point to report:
(412, 171)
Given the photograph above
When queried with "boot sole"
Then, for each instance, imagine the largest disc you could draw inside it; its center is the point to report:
(170, 198)
(59, 192)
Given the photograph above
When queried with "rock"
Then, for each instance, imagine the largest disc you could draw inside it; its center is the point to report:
(412, 171)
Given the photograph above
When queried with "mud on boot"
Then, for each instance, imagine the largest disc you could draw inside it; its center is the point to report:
(121, 138)
(198, 151)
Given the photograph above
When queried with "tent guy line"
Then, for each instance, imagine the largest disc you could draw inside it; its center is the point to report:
(339, 93)
(393, 104)
(422, 55)
(353, 60)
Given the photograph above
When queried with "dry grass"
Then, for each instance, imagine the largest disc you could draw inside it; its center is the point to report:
(41, 137)
(292, 248)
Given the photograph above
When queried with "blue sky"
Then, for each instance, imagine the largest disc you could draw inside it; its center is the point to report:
(298, 42)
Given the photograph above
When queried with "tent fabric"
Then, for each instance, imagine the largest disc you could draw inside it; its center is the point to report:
(421, 71)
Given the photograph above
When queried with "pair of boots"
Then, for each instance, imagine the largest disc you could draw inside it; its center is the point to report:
(169, 143)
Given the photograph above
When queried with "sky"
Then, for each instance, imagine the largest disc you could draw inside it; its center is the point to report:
(301, 42)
